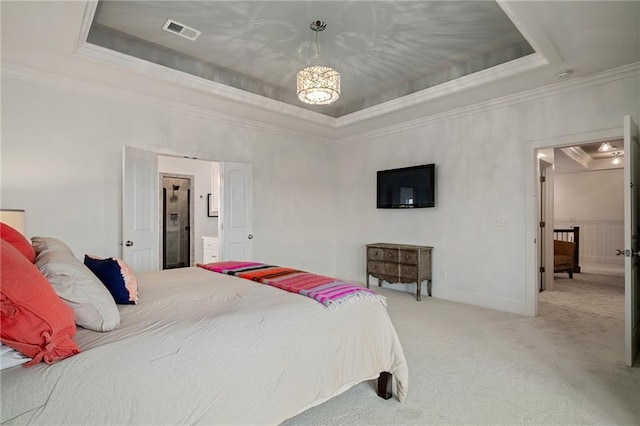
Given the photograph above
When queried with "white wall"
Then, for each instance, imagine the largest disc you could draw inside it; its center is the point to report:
(594, 201)
(314, 207)
(478, 225)
(202, 172)
(62, 162)
(589, 195)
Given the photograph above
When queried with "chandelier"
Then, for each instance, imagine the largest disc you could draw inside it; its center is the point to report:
(318, 84)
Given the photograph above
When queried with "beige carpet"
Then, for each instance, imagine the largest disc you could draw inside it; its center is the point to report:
(470, 365)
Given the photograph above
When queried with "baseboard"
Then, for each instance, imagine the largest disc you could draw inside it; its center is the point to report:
(469, 298)
(602, 259)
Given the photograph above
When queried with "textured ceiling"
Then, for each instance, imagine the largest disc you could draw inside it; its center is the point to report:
(383, 49)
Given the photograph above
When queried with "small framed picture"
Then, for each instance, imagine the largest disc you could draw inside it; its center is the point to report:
(212, 209)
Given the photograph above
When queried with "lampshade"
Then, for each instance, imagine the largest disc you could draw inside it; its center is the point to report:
(605, 147)
(13, 218)
(318, 85)
(616, 158)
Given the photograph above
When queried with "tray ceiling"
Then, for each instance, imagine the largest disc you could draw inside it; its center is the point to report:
(383, 50)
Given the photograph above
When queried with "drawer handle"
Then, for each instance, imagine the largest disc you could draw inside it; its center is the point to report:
(374, 267)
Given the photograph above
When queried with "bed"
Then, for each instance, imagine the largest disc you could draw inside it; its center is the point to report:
(207, 348)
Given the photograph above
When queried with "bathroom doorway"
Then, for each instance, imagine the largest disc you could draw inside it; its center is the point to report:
(176, 214)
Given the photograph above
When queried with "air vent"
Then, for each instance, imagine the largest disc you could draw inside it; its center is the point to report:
(181, 30)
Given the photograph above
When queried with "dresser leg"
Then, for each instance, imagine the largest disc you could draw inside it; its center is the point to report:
(418, 288)
(367, 280)
(429, 287)
(379, 282)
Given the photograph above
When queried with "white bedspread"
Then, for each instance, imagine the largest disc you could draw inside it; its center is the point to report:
(206, 348)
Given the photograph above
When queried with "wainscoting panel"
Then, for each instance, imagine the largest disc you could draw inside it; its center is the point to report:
(599, 239)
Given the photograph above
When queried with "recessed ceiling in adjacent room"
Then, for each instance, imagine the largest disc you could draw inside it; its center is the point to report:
(588, 157)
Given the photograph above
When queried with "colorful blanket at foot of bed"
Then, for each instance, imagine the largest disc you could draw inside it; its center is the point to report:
(326, 290)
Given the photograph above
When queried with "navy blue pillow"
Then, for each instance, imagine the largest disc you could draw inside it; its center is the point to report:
(117, 276)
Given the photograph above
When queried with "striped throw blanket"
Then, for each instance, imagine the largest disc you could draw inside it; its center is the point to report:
(330, 292)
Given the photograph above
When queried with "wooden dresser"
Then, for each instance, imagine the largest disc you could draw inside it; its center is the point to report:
(400, 263)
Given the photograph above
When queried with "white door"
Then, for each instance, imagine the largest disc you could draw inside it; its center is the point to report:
(236, 211)
(140, 209)
(631, 240)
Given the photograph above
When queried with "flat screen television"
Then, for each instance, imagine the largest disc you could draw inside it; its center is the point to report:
(407, 188)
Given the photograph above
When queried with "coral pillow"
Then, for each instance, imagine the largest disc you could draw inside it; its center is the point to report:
(33, 319)
(11, 235)
(117, 276)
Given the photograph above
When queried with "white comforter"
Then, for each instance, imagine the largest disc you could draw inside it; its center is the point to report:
(202, 347)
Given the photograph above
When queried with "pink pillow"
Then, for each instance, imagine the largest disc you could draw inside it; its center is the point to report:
(9, 234)
(33, 319)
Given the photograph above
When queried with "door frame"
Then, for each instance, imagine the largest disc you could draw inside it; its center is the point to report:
(545, 234)
(631, 265)
(532, 264)
(161, 217)
(169, 152)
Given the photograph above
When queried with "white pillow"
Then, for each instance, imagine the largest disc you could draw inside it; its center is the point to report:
(90, 300)
(9, 357)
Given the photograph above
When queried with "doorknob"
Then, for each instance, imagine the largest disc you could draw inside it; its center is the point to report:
(627, 253)
(250, 236)
(129, 243)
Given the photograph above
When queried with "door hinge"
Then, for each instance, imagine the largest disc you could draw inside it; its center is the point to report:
(542, 224)
(542, 269)
(543, 179)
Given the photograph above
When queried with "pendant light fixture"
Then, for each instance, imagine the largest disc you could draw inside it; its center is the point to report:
(605, 147)
(616, 158)
(318, 84)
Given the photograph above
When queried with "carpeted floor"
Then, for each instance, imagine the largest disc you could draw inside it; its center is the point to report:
(470, 365)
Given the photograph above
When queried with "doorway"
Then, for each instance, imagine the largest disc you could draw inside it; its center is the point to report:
(177, 220)
(591, 303)
(231, 189)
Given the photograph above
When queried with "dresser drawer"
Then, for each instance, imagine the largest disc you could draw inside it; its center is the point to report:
(384, 268)
(210, 244)
(210, 256)
(374, 253)
(375, 267)
(408, 257)
(382, 254)
(408, 272)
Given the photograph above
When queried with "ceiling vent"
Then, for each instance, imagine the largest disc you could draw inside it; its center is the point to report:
(181, 30)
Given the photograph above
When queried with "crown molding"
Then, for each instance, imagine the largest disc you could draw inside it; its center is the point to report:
(31, 75)
(68, 83)
(28, 74)
(534, 34)
(162, 73)
(477, 79)
(90, 8)
(625, 71)
(578, 155)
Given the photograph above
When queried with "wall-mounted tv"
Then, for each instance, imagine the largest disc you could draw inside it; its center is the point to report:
(407, 188)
